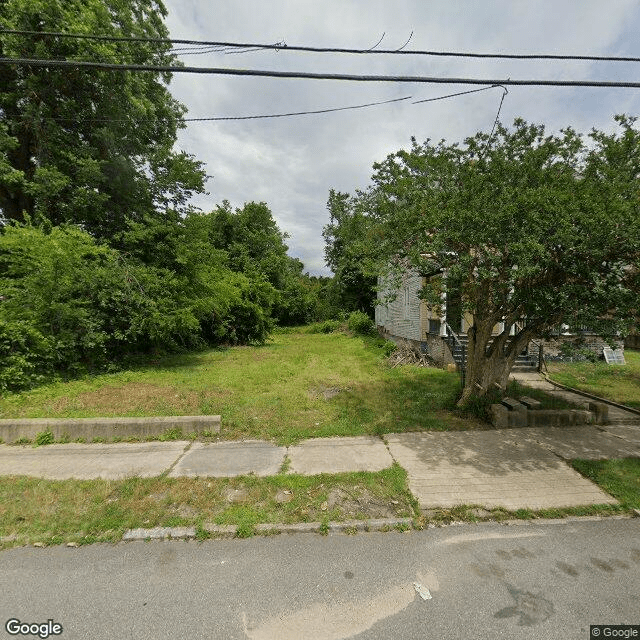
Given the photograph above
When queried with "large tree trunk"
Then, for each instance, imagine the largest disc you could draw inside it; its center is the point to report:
(488, 366)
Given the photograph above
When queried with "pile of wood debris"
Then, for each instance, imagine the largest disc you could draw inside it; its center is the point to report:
(406, 353)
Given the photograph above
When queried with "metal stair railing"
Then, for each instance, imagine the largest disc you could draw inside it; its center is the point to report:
(453, 340)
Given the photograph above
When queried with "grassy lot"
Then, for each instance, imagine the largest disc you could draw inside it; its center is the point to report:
(620, 478)
(620, 383)
(299, 385)
(85, 511)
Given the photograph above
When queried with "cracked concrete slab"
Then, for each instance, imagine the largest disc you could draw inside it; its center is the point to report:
(89, 461)
(491, 469)
(337, 455)
(228, 459)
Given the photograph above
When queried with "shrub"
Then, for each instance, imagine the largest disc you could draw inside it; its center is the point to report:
(25, 355)
(328, 326)
(360, 323)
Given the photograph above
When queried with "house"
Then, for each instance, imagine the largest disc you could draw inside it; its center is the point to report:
(443, 336)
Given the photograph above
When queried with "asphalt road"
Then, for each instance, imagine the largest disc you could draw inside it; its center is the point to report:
(545, 580)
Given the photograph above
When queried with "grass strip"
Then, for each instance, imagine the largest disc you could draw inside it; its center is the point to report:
(85, 511)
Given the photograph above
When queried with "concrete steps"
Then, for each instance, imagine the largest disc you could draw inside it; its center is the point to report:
(525, 362)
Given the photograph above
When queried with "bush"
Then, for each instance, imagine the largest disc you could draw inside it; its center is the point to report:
(328, 326)
(71, 305)
(25, 355)
(361, 324)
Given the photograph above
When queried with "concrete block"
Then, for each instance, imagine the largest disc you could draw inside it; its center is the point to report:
(531, 403)
(499, 416)
(511, 403)
(601, 411)
(580, 416)
(12, 429)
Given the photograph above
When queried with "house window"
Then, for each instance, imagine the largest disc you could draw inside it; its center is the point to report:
(434, 326)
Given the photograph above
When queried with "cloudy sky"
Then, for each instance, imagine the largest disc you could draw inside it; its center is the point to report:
(291, 163)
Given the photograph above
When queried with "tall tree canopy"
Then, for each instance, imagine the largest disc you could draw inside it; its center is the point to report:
(346, 251)
(535, 229)
(86, 146)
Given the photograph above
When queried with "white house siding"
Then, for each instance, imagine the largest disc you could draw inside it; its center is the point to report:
(401, 317)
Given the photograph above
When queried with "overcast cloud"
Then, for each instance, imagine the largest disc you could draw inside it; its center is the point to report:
(291, 163)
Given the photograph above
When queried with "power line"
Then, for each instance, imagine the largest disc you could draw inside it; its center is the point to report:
(314, 76)
(285, 47)
(221, 118)
(453, 95)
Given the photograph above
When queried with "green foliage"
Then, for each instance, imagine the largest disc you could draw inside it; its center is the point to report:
(361, 323)
(348, 251)
(43, 438)
(328, 326)
(572, 352)
(525, 225)
(25, 355)
(70, 304)
(86, 146)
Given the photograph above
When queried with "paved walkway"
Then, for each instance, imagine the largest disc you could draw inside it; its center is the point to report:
(512, 468)
(538, 381)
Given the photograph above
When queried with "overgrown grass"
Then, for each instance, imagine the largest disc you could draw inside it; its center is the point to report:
(620, 383)
(297, 386)
(85, 511)
(620, 478)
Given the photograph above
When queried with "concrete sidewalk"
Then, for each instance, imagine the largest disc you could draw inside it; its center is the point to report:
(512, 468)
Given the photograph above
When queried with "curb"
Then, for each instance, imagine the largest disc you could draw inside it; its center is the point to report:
(230, 531)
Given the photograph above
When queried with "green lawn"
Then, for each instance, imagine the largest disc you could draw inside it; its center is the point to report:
(299, 385)
(620, 383)
(620, 478)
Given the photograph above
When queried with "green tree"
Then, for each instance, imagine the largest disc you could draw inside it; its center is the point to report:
(535, 229)
(347, 251)
(90, 147)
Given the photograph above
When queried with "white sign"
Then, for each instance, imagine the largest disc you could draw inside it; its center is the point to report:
(613, 357)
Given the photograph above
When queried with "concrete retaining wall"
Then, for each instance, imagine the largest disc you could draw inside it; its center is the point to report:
(511, 413)
(12, 430)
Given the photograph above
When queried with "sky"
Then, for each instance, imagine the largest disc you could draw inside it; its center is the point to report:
(292, 163)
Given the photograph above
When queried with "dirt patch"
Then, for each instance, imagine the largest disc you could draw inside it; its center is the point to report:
(361, 503)
(132, 397)
(324, 392)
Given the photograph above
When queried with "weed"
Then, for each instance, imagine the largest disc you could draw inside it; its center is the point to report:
(171, 434)
(98, 440)
(201, 532)
(43, 438)
(245, 530)
(23, 441)
(324, 526)
(285, 465)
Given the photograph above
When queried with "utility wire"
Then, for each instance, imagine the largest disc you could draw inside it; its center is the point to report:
(453, 95)
(312, 76)
(285, 47)
(220, 118)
